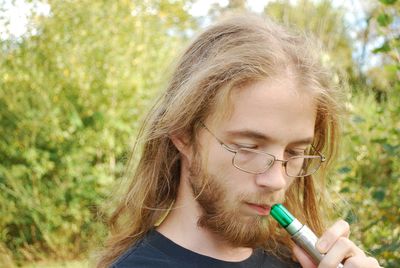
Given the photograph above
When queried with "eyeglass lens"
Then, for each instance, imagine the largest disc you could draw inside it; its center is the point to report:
(255, 162)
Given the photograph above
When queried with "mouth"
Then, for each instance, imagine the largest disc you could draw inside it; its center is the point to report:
(261, 209)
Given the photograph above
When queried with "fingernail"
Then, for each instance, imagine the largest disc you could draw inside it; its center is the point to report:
(322, 246)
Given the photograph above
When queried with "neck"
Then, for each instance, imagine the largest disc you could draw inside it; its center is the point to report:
(181, 227)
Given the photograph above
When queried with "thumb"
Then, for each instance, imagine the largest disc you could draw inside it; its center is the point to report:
(303, 258)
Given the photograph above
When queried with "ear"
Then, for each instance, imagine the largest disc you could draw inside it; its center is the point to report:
(181, 142)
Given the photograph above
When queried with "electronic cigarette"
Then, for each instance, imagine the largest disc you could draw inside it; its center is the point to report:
(300, 233)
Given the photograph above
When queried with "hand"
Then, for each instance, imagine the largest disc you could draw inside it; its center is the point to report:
(337, 247)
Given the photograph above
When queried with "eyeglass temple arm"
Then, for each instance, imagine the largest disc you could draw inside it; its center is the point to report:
(219, 141)
(323, 158)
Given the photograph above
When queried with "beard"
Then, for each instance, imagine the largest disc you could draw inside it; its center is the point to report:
(222, 216)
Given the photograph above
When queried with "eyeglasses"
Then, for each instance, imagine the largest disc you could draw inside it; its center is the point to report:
(257, 162)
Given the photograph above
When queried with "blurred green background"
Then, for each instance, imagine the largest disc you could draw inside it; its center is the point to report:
(75, 84)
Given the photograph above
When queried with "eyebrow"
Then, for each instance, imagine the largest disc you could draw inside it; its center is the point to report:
(262, 137)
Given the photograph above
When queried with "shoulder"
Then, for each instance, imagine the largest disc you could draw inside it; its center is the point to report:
(142, 255)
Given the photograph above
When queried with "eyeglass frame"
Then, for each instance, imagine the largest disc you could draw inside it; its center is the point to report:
(284, 162)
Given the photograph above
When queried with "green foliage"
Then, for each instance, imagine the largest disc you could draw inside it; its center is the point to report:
(383, 78)
(68, 264)
(70, 98)
(325, 22)
(384, 19)
(368, 175)
(384, 48)
(388, 2)
(72, 94)
(372, 148)
(371, 180)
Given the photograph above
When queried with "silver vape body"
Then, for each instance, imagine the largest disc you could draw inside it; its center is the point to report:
(306, 239)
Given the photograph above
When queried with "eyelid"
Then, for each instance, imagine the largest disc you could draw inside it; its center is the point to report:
(304, 147)
(248, 146)
(297, 151)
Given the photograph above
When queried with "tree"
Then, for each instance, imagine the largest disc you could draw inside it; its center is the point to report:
(326, 23)
(369, 171)
(383, 28)
(71, 96)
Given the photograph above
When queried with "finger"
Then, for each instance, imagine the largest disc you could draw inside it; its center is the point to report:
(303, 258)
(339, 229)
(341, 251)
(360, 261)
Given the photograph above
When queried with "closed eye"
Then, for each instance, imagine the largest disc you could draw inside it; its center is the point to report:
(245, 146)
(295, 152)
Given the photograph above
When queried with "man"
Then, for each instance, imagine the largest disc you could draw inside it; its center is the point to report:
(248, 118)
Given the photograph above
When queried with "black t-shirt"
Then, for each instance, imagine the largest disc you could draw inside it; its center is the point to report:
(155, 250)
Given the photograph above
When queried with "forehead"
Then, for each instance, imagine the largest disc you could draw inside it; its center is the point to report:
(276, 107)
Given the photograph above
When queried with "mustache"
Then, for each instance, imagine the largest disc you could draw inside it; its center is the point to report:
(262, 198)
(196, 170)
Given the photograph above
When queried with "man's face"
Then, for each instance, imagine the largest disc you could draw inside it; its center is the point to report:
(273, 116)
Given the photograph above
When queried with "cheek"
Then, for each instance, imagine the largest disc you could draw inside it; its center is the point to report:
(219, 162)
(290, 181)
(218, 165)
(232, 181)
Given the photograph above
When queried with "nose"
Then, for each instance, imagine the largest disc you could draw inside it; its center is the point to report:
(274, 179)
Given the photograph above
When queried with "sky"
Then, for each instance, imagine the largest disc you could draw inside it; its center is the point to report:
(354, 8)
(14, 14)
(18, 11)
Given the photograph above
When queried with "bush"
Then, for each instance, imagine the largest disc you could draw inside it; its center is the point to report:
(71, 95)
(368, 175)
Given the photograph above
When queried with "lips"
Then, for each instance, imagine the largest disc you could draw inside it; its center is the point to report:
(260, 209)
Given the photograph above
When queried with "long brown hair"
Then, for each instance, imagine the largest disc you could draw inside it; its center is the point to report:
(237, 50)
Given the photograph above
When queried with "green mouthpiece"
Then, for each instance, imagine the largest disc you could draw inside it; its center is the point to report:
(282, 215)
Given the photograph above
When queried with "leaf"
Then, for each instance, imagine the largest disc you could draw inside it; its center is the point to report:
(379, 140)
(384, 48)
(75, 119)
(345, 190)
(394, 245)
(388, 2)
(358, 119)
(384, 19)
(379, 195)
(351, 217)
(344, 170)
(391, 149)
